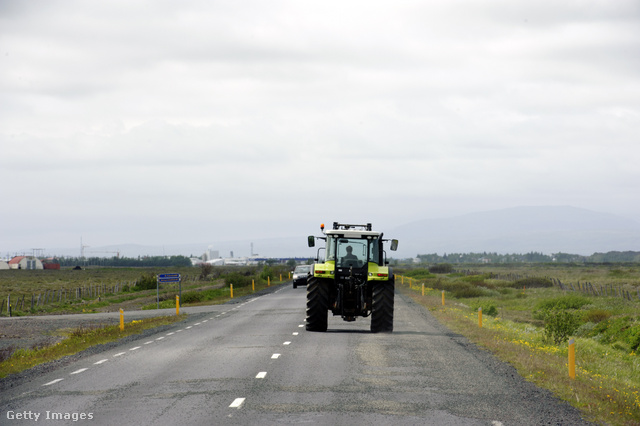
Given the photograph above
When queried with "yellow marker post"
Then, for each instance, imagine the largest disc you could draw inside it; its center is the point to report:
(410, 282)
(253, 285)
(268, 281)
(280, 277)
(231, 288)
(442, 297)
(121, 320)
(480, 317)
(423, 289)
(177, 305)
(572, 359)
(402, 276)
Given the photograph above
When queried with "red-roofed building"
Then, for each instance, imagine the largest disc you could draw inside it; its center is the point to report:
(25, 262)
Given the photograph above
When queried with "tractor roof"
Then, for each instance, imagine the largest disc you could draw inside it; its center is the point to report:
(353, 233)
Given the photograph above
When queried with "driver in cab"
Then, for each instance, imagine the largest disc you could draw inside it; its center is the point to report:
(350, 257)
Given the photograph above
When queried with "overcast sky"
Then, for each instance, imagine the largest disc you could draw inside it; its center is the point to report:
(164, 122)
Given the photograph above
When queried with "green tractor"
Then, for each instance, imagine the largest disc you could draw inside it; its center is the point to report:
(354, 279)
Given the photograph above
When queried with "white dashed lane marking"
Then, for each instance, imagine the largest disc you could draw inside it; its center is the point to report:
(119, 354)
(102, 361)
(275, 356)
(237, 403)
(79, 371)
(135, 349)
(261, 375)
(286, 343)
(52, 382)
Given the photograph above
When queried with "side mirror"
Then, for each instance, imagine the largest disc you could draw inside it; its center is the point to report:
(311, 241)
(394, 245)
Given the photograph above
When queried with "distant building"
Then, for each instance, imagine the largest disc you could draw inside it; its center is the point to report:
(4, 265)
(50, 263)
(25, 262)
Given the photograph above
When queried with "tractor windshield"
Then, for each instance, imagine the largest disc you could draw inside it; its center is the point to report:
(352, 251)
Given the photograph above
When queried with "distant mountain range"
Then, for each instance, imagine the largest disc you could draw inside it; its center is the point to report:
(544, 229)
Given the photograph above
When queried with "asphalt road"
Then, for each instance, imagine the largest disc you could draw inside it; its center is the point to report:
(252, 362)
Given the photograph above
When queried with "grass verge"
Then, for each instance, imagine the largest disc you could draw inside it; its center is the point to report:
(78, 340)
(606, 385)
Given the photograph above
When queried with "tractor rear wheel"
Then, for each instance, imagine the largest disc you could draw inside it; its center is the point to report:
(317, 304)
(382, 306)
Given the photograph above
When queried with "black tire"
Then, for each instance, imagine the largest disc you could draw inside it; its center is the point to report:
(317, 304)
(382, 309)
(295, 285)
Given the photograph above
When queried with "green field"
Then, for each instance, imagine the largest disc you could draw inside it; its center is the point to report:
(529, 313)
(38, 292)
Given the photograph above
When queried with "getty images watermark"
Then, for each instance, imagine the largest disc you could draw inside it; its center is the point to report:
(47, 415)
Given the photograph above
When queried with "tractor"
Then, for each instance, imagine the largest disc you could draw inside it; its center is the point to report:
(354, 280)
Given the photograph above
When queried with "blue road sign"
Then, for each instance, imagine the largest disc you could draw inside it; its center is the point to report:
(169, 278)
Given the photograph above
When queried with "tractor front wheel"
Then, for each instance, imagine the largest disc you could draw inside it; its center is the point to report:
(382, 306)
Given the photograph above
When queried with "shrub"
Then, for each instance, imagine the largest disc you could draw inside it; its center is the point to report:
(559, 325)
(237, 279)
(597, 315)
(632, 337)
(442, 268)
(146, 282)
(491, 311)
(205, 270)
(467, 291)
(419, 274)
(571, 301)
(533, 282)
(267, 272)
